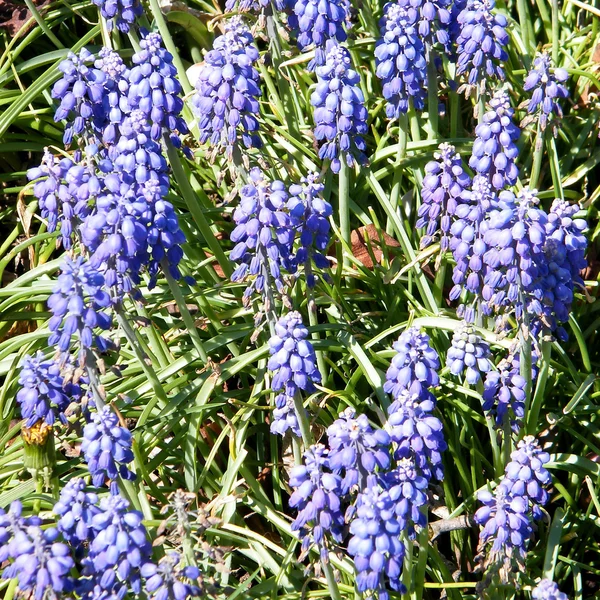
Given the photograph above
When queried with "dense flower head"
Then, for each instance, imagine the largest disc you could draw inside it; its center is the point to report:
(106, 447)
(547, 590)
(340, 115)
(42, 396)
(356, 449)
(375, 544)
(155, 89)
(170, 580)
(434, 21)
(481, 42)
(546, 87)
(400, 59)
(119, 14)
(309, 215)
(470, 352)
(258, 5)
(317, 497)
(514, 237)
(467, 238)
(284, 416)
(75, 509)
(526, 476)
(504, 391)
(64, 190)
(263, 236)
(293, 358)
(81, 94)
(506, 525)
(227, 90)
(40, 562)
(77, 305)
(417, 433)
(11, 523)
(444, 185)
(117, 552)
(320, 22)
(494, 149)
(415, 365)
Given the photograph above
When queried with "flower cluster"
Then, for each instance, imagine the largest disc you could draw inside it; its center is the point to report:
(468, 351)
(263, 236)
(76, 509)
(316, 496)
(546, 89)
(507, 515)
(170, 579)
(42, 394)
(121, 14)
(494, 149)
(547, 590)
(481, 42)
(340, 114)
(320, 22)
(444, 185)
(435, 17)
(227, 91)
(400, 59)
(107, 450)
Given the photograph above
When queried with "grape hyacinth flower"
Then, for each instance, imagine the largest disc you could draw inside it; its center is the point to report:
(434, 22)
(76, 509)
(81, 94)
(417, 433)
(107, 450)
(284, 416)
(504, 391)
(375, 544)
(155, 89)
(121, 14)
(42, 396)
(77, 304)
(468, 351)
(481, 43)
(116, 554)
(467, 241)
(340, 115)
(263, 236)
(495, 150)
(506, 526)
(321, 25)
(227, 91)
(526, 476)
(316, 497)
(309, 215)
(547, 590)
(356, 449)
(546, 89)
(41, 564)
(11, 523)
(414, 366)
(169, 579)
(444, 184)
(400, 60)
(64, 190)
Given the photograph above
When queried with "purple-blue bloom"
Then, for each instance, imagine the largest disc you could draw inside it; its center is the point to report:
(469, 352)
(263, 236)
(434, 22)
(106, 448)
(227, 90)
(119, 13)
(481, 43)
(546, 87)
(76, 508)
(400, 59)
(443, 188)
(375, 544)
(340, 115)
(414, 367)
(356, 449)
(77, 305)
(284, 416)
(317, 498)
(42, 396)
(547, 590)
(170, 580)
(494, 149)
(11, 523)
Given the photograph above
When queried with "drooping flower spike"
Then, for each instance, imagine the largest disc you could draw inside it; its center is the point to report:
(468, 352)
(119, 14)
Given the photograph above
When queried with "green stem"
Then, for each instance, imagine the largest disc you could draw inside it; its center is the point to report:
(314, 321)
(195, 208)
(185, 313)
(538, 397)
(432, 97)
(43, 26)
(407, 571)
(423, 541)
(398, 172)
(344, 208)
(95, 385)
(303, 421)
(555, 33)
(142, 359)
(538, 154)
(480, 107)
(525, 29)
